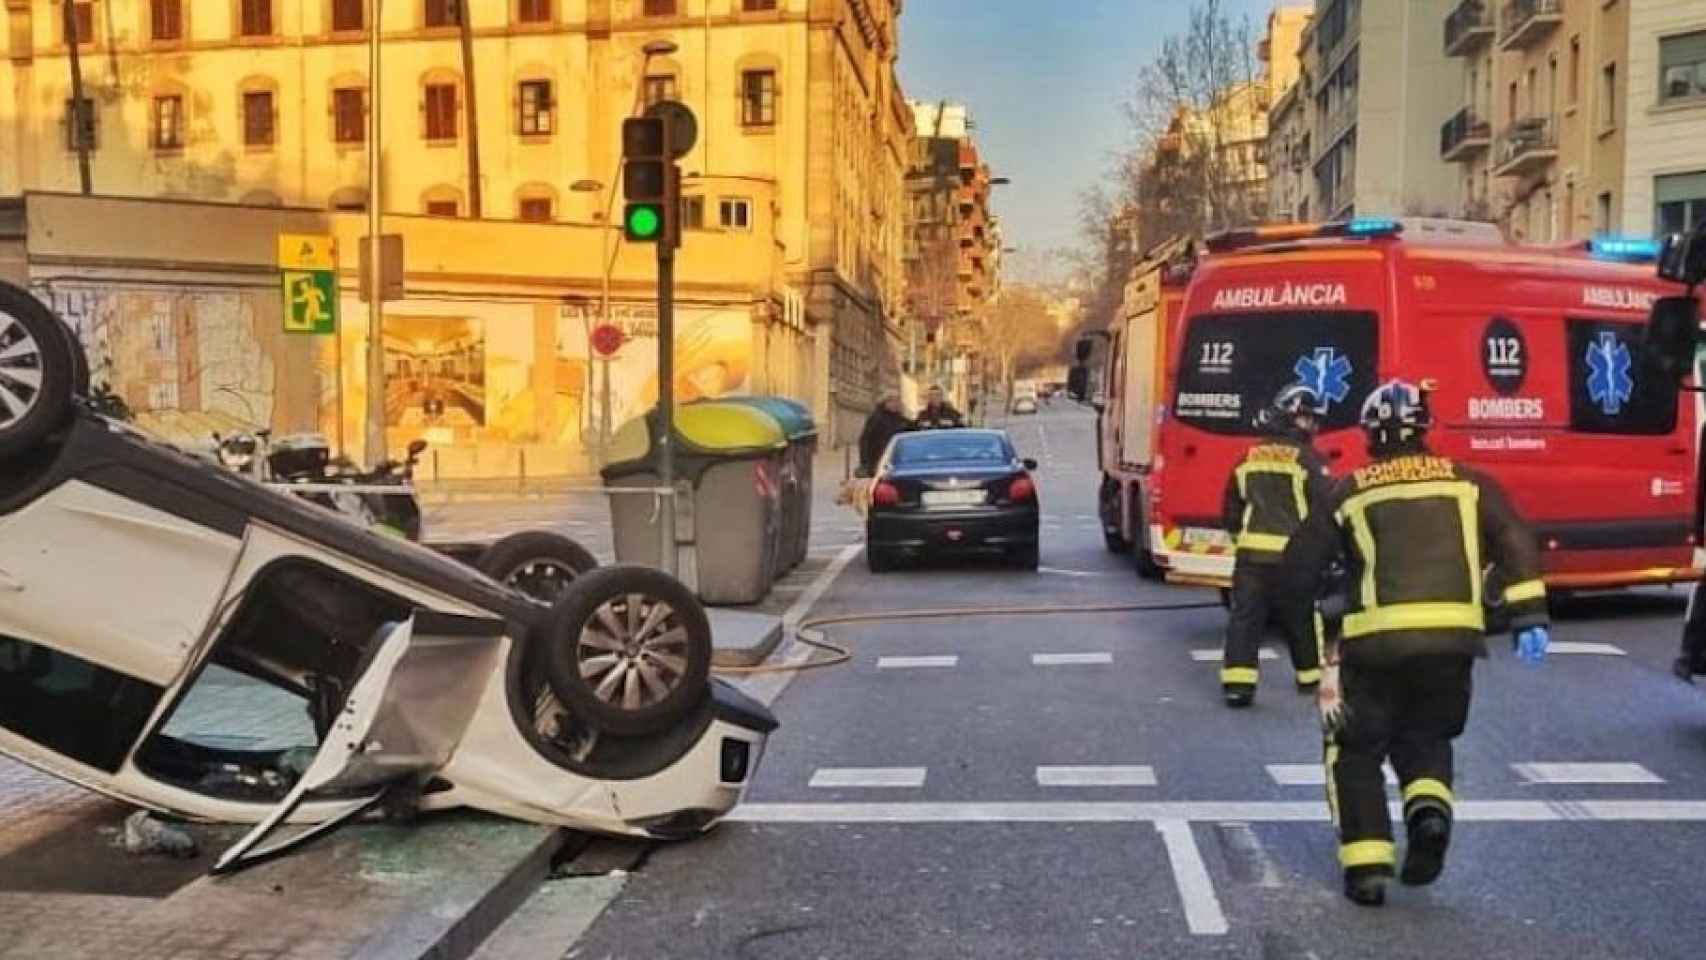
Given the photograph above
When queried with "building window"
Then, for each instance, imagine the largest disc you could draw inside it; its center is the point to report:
(534, 209)
(1682, 67)
(442, 208)
(1575, 70)
(692, 213)
(258, 118)
(736, 214)
(167, 20)
(83, 15)
(659, 8)
(349, 199)
(536, 108)
(257, 18)
(1602, 213)
(348, 15)
(88, 125)
(758, 98)
(169, 122)
(659, 88)
(533, 11)
(440, 111)
(1681, 202)
(349, 115)
(754, 6)
(441, 13)
(1608, 97)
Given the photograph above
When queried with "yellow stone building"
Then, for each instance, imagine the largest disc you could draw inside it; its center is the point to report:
(803, 131)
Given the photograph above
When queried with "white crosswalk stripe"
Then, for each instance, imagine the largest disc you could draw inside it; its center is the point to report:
(1216, 656)
(1576, 773)
(832, 777)
(902, 663)
(1310, 774)
(1586, 648)
(1108, 775)
(1070, 659)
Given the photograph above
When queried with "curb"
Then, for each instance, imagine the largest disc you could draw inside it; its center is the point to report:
(431, 935)
(749, 656)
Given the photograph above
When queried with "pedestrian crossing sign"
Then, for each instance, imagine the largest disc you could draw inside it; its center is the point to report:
(308, 268)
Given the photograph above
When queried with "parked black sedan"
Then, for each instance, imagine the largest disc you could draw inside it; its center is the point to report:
(942, 492)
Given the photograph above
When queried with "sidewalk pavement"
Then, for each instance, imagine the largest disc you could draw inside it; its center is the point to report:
(828, 468)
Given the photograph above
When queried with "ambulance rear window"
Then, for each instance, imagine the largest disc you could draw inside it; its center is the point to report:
(1234, 363)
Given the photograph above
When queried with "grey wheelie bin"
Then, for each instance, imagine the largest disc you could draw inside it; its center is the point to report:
(728, 518)
(801, 431)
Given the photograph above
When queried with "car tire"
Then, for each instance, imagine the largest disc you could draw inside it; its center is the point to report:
(1028, 557)
(79, 362)
(609, 664)
(538, 563)
(1147, 568)
(37, 372)
(879, 560)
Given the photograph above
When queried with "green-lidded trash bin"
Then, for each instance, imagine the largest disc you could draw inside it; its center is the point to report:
(727, 459)
(801, 431)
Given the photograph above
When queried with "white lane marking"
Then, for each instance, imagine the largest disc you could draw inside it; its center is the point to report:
(1196, 889)
(1311, 774)
(1107, 775)
(1075, 573)
(1585, 773)
(1217, 656)
(1482, 811)
(830, 777)
(1070, 659)
(767, 687)
(1586, 648)
(902, 663)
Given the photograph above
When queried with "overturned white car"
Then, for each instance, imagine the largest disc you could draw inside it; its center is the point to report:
(182, 638)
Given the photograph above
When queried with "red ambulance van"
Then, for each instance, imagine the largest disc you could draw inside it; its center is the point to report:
(1534, 353)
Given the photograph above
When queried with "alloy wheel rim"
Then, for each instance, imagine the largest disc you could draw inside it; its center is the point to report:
(633, 652)
(20, 371)
(541, 578)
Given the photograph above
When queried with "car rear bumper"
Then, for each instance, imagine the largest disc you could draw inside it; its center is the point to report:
(989, 528)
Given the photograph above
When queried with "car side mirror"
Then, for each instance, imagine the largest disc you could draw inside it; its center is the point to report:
(1078, 380)
(1683, 258)
(1673, 332)
(1083, 349)
(1030, 464)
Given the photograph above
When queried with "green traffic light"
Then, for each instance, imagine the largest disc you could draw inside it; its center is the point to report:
(644, 222)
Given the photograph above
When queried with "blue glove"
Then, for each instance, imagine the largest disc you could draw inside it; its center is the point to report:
(1532, 644)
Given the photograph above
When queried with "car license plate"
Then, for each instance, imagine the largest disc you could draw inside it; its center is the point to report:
(1206, 537)
(953, 498)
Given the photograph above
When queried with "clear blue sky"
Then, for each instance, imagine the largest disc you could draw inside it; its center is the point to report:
(1044, 82)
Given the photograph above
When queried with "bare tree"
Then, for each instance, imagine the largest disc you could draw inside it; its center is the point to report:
(1021, 333)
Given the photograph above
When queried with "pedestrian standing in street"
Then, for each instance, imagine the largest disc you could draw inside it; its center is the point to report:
(880, 427)
(1267, 498)
(938, 413)
(1414, 531)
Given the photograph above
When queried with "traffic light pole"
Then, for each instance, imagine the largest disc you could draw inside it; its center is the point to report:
(666, 401)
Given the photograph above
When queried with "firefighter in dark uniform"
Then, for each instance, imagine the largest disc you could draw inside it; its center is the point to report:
(1414, 532)
(1267, 498)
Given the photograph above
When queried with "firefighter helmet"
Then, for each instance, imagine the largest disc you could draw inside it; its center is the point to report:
(1396, 415)
(1281, 415)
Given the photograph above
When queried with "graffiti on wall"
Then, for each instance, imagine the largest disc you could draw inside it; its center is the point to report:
(713, 354)
(435, 372)
(186, 361)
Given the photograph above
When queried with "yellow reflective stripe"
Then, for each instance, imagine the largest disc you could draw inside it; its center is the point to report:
(1415, 616)
(1428, 787)
(1239, 675)
(1309, 676)
(1272, 542)
(1329, 762)
(1354, 513)
(1295, 472)
(1526, 590)
(1366, 853)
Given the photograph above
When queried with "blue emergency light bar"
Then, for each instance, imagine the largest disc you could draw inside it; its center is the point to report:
(1627, 249)
(1362, 227)
(1372, 227)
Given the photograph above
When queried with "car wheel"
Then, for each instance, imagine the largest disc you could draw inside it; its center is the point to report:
(537, 563)
(36, 371)
(628, 650)
(1147, 568)
(879, 560)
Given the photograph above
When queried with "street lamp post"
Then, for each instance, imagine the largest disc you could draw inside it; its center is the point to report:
(375, 438)
(594, 186)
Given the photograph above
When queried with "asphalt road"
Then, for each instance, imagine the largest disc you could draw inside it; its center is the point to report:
(1070, 786)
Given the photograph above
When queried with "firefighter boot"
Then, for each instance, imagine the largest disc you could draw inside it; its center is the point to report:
(1239, 694)
(1430, 835)
(1366, 886)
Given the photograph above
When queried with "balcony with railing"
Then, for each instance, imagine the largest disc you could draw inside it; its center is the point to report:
(1464, 136)
(1468, 28)
(1526, 146)
(1525, 22)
